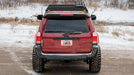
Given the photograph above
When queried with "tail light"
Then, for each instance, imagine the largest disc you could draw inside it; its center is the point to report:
(95, 38)
(38, 38)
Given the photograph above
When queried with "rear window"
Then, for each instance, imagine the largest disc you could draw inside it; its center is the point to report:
(66, 25)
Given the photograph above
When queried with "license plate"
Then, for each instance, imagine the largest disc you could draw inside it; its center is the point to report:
(66, 43)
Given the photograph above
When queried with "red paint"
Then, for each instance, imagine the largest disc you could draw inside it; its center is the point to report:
(91, 28)
(66, 14)
(84, 45)
(42, 25)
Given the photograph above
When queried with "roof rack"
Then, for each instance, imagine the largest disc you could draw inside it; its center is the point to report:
(67, 8)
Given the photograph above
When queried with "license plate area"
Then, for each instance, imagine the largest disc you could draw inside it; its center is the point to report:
(66, 42)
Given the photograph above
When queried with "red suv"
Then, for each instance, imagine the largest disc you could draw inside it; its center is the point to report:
(66, 33)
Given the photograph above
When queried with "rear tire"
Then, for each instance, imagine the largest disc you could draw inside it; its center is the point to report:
(95, 62)
(37, 63)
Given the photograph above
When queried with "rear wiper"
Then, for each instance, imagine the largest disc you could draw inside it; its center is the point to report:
(70, 33)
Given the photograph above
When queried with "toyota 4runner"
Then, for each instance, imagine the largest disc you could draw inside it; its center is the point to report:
(66, 33)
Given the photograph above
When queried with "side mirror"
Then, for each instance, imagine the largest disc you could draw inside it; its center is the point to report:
(39, 17)
(93, 17)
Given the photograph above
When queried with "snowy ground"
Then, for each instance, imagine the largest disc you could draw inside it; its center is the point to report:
(23, 11)
(122, 40)
(113, 15)
(17, 36)
(24, 35)
(103, 14)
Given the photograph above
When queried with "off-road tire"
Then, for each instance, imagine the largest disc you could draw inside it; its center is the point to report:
(37, 63)
(95, 62)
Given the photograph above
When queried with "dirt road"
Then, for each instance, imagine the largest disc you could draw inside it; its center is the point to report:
(17, 61)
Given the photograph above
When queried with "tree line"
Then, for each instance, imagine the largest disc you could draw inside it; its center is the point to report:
(128, 4)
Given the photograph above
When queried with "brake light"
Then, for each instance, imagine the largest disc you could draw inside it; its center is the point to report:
(95, 38)
(66, 15)
(38, 38)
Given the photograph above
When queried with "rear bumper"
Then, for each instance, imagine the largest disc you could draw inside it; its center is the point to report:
(50, 56)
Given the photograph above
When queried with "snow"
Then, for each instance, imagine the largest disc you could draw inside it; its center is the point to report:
(23, 11)
(113, 15)
(103, 14)
(17, 36)
(24, 36)
(124, 41)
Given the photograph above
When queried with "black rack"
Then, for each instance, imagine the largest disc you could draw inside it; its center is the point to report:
(66, 8)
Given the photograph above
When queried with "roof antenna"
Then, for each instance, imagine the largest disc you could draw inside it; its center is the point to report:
(42, 10)
(94, 10)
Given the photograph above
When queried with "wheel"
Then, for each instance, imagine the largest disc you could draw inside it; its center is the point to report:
(37, 63)
(95, 62)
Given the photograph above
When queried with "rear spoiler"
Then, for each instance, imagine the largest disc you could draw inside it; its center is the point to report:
(65, 15)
